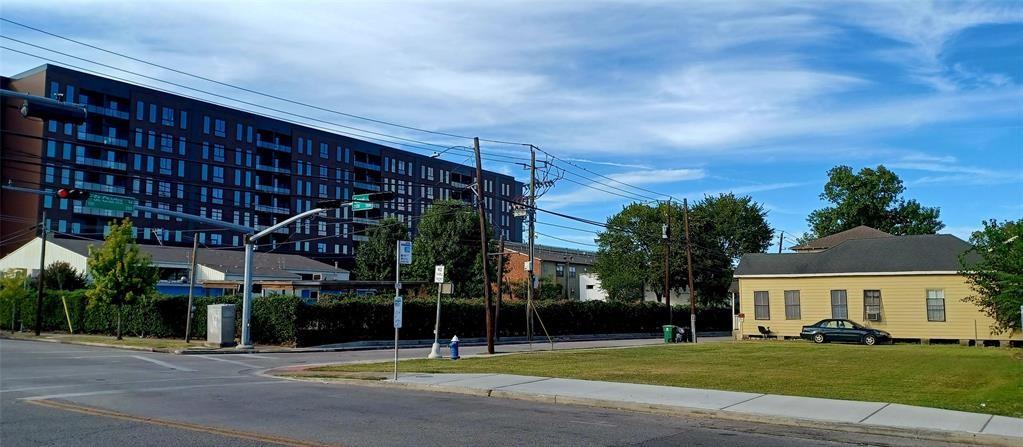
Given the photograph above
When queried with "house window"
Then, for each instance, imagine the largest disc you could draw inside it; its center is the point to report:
(792, 305)
(571, 272)
(935, 305)
(559, 270)
(761, 305)
(839, 304)
(872, 305)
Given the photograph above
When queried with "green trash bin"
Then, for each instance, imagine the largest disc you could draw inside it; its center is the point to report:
(669, 333)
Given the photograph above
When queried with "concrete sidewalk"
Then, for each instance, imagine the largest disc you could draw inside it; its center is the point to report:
(865, 416)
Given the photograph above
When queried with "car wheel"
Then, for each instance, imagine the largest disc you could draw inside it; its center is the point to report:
(870, 340)
(818, 338)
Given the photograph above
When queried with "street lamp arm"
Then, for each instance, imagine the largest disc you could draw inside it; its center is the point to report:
(286, 222)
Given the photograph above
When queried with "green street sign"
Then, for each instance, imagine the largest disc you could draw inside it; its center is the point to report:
(109, 202)
(360, 202)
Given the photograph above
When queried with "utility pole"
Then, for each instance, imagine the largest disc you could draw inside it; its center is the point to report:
(689, 267)
(781, 237)
(42, 274)
(667, 250)
(480, 206)
(500, 284)
(532, 230)
(191, 285)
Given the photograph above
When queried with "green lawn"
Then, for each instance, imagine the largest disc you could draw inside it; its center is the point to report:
(987, 380)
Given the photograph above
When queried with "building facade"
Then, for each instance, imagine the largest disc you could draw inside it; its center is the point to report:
(181, 154)
(906, 285)
(554, 265)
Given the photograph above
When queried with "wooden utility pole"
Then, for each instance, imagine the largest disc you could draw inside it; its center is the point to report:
(532, 228)
(667, 249)
(42, 274)
(689, 267)
(481, 207)
(191, 285)
(781, 237)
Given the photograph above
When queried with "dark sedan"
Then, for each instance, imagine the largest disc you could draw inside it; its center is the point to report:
(844, 330)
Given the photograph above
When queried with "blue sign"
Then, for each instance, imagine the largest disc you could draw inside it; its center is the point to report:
(405, 252)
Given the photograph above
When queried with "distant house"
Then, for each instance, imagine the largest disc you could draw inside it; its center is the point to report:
(906, 285)
(217, 271)
(568, 267)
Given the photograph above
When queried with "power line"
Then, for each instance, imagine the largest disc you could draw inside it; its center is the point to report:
(567, 240)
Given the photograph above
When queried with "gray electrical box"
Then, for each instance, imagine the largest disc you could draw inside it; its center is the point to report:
(220, 325)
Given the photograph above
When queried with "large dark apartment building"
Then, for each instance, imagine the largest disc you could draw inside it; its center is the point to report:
(182, 154)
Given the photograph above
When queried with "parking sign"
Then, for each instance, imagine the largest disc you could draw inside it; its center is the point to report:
(405, 252)
(397, 312)
(438, 274)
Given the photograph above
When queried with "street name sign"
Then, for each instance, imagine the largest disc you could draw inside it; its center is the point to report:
(438, 274)
(110, 202)
(360, 202)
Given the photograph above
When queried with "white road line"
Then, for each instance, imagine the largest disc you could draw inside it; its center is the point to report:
(150, 390)
(164, 364)
(255, 356)
(233, 362)
(602, 424)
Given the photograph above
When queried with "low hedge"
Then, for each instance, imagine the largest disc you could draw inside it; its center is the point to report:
(286, 320)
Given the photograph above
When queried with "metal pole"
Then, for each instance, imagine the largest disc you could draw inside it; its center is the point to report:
(667, 250)
(42, 274)
(397, 293)
(191, 285)
(480, 206)
(532, 263)
(435, 349)
(689, 262)
(500, 285)
(250, 247)
(731, 296)
(781, 238)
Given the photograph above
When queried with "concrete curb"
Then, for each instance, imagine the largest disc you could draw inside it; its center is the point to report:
(965, 438)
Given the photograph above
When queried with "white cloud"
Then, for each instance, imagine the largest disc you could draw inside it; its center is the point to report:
(653, 176)
(949, 169)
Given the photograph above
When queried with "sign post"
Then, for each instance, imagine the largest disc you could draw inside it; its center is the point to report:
(438, 277)
(403, 255)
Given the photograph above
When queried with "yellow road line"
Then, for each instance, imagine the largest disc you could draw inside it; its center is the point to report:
(180, 425)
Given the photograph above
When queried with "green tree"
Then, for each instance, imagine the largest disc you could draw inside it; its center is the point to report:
(121, 273)
(872, 197)
(14, 292)
(374, 261)
(61, 276)
(449, 234)
(738, 224)
(628, 252)
(994, 271)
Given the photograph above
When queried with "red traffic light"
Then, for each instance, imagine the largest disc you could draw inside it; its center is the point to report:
(73, 194)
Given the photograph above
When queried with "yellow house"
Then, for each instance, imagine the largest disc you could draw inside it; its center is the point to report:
(905, 285)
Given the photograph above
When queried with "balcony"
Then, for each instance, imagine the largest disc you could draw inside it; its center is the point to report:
(273, 189)
(120, 142)
(99, 187)
(360, 238)
(95, 162)
(366, 186)
(365, 221)
(272, 209)
(273, 169)
(366, 165)
(106, 111)
(81, 209)
(273, 146)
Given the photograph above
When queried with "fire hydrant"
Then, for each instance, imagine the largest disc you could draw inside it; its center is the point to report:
(454, 348)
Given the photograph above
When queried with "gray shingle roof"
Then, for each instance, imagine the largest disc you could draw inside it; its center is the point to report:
(860, 232)
(231, 262)
(555, 254)
(921, 253)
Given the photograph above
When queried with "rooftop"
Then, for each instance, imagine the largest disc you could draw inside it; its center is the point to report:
(826, 242)
(555, 254)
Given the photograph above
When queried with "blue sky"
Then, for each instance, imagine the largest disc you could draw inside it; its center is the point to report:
(681, 98)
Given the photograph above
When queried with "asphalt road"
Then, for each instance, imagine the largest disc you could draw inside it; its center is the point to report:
(66, 395)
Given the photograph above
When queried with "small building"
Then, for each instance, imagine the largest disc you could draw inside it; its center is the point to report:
(218, 271)
(557, 265)
(906, 285)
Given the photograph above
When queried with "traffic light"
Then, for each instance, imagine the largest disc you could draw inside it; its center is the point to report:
(72, 194)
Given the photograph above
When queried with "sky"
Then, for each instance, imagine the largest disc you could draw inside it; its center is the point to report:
(641, 99)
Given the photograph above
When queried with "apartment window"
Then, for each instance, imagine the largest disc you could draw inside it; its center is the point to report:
(167, 143)
(324, 150)
(163, 189)
(872, 305)
(935, 305)
(181, 145)
(218, 174)
(140, 110)
(167, 117)
(220, 128)
(215, 239)
(138, 138)
(206, 124)
(166, 166)
(761, 305)
(151, 140)
(839, 304)
(152, 113)
(248, 134)
(218, 196)
(239, 130)
(323, 191)
(792, 305)
(184, 120)
(218, 152)
(559, 270)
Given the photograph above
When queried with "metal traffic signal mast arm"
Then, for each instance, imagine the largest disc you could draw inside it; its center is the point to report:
(46, 108)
